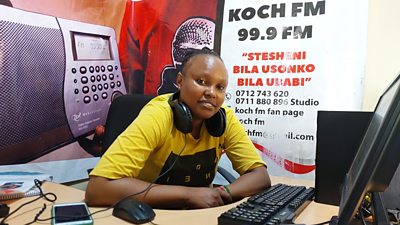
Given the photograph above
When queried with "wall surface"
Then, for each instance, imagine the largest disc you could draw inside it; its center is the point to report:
(383, 65)
(102, 12)
(383, 49)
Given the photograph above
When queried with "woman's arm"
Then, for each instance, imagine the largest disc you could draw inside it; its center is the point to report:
(103, 192)
(250, 183)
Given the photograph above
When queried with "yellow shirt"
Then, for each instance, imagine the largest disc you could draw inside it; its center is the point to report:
(150, 145)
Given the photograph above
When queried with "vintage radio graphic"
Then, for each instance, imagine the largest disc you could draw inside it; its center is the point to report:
(57, 80)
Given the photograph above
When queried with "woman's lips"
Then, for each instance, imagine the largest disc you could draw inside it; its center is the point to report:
(207, 104)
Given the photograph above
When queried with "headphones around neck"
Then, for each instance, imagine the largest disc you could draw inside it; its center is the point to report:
(183, 118)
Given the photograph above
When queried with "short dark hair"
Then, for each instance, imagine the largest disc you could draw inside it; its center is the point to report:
(6, 3)
(193, 52)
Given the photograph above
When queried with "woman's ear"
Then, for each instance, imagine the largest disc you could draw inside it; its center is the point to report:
(179, 80)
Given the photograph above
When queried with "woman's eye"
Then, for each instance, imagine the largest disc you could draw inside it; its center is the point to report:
(201, 82)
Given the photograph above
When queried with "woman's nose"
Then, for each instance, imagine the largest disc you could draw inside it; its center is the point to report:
(210, 91)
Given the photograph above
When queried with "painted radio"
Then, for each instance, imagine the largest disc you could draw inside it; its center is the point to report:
(57, 80)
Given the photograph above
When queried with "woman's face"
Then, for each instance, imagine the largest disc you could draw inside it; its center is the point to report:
(202, 85)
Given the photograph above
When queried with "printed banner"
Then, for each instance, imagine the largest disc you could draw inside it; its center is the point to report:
(152, 37)
(156, 35)
(52, 91)
(287, 60)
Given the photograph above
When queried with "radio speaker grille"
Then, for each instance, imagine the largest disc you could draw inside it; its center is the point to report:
(32, 67)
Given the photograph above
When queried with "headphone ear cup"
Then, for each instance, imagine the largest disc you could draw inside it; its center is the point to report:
(182, 114)
(216, 125)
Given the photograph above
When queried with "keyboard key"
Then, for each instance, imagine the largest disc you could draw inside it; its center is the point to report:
(278, 204)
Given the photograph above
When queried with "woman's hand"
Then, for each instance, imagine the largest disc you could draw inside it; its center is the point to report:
(207, 197)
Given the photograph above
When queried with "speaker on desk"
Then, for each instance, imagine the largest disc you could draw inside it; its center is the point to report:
(339, 135)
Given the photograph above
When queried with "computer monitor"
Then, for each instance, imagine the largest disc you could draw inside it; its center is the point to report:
(377, 157)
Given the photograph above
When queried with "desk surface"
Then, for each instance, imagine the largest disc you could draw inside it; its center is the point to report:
(314, 213)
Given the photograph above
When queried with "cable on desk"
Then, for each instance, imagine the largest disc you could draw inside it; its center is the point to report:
(38, 214)
(38, 184)
(112, 206)
(151, 183)
(44, 195)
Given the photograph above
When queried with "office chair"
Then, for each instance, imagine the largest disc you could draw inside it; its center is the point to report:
(123, 111)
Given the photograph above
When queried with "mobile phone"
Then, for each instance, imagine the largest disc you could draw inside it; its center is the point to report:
(76, 213)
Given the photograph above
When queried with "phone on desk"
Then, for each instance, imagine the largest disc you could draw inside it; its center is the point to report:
(76, 213)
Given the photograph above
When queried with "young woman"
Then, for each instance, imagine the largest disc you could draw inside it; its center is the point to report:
(168, 156)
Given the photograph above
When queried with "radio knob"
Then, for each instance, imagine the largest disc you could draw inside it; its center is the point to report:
(85, 89)
(82, 70)
(86, 99)
(115, 95)
(84, 80)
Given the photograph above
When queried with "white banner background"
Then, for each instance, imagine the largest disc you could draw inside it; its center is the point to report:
(279, 109)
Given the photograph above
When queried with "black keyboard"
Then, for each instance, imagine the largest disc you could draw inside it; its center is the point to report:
(279, 204)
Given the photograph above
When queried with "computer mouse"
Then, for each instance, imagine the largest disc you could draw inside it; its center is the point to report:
(133, 211)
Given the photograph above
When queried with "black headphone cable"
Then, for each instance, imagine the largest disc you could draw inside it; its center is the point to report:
(151, 183)
(38, 185)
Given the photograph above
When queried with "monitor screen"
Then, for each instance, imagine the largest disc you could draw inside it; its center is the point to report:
(377, 157)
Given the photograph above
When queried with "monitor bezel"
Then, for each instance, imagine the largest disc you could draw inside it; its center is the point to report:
(367, 178)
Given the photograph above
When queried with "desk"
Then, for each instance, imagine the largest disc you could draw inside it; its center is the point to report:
(314, 213)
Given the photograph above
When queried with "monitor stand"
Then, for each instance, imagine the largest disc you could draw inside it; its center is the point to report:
(379, 213)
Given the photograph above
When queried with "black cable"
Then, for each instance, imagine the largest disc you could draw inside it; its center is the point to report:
(38, 214)
(151, 183)
(398, 215)
(361, 215)
(137, 193)
(41, 195)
